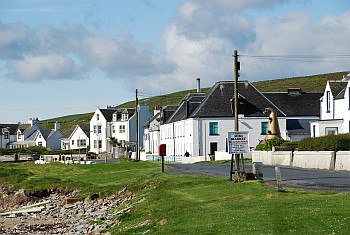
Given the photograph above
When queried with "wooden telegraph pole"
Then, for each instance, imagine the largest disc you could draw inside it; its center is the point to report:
(236, 66)
(137, 126)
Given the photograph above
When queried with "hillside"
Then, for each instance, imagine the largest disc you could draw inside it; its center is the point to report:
(314, 83)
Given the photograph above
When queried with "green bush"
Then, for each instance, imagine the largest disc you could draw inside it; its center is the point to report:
(339, 142)
(268, 144)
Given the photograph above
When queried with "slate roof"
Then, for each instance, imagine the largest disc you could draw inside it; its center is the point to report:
(295, 105)
(11, 127)
(338, 88)
(167, 112)
(108, 114)
(69, 132)
(298, 126)
(187, 106)
(219, 101)
(156, 116)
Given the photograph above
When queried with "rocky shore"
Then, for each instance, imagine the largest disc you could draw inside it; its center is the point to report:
(63, 213)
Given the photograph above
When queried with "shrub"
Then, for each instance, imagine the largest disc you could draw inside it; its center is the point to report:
(339, 142)
(268, 144)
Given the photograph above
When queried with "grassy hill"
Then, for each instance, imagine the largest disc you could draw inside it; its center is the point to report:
(314, 83)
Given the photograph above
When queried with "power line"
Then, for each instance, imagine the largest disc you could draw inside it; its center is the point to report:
(302, 58)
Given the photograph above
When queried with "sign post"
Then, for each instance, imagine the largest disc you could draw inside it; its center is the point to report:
(238, 144)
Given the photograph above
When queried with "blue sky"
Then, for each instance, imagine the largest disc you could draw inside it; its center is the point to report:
(62, 57)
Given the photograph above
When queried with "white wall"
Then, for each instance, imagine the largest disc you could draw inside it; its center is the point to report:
(98, 136)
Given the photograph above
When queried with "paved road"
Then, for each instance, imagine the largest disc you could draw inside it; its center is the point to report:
(317, 180)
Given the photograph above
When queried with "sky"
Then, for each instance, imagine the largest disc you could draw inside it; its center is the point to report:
(63, 57)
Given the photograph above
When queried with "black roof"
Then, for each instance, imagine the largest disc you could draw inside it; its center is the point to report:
(11, 127)
(108, 113)
(304, 104)
(219, 100)
(338, 88)
(187, 106)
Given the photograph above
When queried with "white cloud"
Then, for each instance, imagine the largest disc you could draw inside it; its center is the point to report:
(33, 68)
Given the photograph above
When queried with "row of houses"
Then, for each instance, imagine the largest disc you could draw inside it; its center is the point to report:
(199, 124)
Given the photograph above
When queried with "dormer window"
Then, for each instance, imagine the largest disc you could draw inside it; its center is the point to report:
(125, 116)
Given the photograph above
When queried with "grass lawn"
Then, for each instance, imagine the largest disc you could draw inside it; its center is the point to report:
(184, 204)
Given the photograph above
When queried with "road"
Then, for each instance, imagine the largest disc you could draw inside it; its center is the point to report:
(307, 179)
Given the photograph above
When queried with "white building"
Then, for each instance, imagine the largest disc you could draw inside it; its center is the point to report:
(108, 125)
(334, 109)
(77, 137)
(201, 122)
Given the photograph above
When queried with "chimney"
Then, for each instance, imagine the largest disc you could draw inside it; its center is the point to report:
(198, 85)
(57, 126)
(33, 121)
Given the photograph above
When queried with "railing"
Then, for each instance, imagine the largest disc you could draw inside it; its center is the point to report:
(167, 159)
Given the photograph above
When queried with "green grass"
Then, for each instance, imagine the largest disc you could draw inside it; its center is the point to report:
(184, 204)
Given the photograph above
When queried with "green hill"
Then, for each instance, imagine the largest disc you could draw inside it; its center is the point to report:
(314, 83)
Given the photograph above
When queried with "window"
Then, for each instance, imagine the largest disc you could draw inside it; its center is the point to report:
(122, 129)
(113, 129)
(81, 143)
(72, 142)
(97, 129)
(331, 130)
(264, 128)
(40, 143)
(313, 130)
(6, 135)
(124, 116)
(100, 144)
(97, 116)
(349, 96)
(213, 128)
(328, 100)
(95, 144)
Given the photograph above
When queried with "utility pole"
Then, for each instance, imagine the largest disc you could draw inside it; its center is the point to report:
(236, 68)
(137, 126)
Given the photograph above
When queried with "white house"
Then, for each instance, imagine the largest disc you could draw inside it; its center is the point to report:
(117, 124)
(334, 109)
(202, 121)
(100, 127)
(77, 137)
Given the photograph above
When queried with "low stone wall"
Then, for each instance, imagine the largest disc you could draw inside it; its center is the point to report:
(327, 160)
(314, 159)
(284, 158)
(342, 161)
(190, 160)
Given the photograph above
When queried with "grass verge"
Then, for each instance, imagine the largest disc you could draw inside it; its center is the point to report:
(184, 204)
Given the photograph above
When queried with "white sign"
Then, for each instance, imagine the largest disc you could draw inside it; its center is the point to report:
(238, 142)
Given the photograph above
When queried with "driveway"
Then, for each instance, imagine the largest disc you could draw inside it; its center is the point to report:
(306, 179)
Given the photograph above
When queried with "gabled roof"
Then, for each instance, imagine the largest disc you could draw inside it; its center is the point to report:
(338, 88)
(219, 99)
(108, 114)
(166, 112)
(304, 104)
(23, 127)
(11, 128)
(156, 116)
(187, 106)
(69, 132)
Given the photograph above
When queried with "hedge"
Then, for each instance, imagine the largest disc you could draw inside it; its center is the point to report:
(339, 142)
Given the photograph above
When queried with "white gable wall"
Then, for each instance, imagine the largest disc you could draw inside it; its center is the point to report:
(96, 136)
